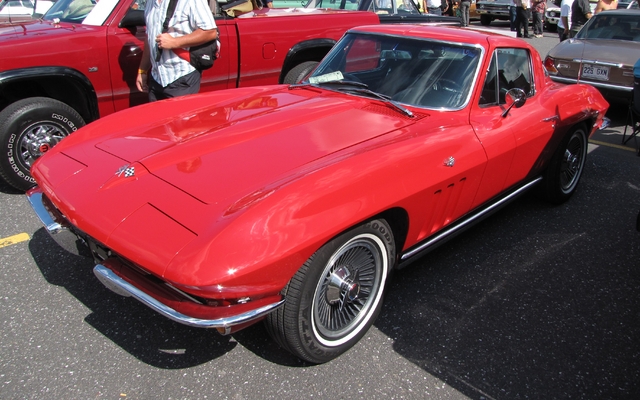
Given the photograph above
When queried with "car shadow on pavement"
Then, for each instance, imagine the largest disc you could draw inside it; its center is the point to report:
(146, 335)
(535, 302)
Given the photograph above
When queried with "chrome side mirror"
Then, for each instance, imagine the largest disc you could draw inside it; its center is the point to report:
(514, 97)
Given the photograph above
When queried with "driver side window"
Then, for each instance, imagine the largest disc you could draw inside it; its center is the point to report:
(510, 68)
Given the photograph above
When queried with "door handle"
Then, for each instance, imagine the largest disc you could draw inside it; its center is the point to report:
(134, 51)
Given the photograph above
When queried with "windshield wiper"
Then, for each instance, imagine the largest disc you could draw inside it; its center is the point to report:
(386, 99)
(360, 88)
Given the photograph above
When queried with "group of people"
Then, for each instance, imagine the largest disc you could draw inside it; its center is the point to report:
(575, 13)
(520, 11)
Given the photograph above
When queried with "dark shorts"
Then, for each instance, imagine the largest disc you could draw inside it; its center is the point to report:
(188, 84)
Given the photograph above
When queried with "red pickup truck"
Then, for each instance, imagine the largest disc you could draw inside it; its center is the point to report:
(79, 62)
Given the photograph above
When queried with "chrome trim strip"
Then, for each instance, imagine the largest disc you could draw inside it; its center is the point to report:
(114, 282)
(596, 84)
(463, 224)
(50, 224)
(606, 63)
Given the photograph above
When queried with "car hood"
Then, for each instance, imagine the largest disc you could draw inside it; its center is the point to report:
(618, 51)
(239, 141)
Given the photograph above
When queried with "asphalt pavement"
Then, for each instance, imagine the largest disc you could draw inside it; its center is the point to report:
(536, 302)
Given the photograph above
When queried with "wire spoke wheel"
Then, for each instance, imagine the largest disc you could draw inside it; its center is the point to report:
(336, 295)
(352, 278)
(572, 162)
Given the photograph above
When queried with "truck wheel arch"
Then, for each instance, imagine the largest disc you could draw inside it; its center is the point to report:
(308, 50)
(64, 84)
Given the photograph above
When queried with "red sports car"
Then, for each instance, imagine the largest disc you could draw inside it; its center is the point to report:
(293, 203)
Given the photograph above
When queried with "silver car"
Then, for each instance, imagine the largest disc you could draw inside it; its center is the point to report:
(602, 54)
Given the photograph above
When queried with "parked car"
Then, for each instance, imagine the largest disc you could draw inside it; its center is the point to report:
(490, 10)
(389, 11)
(552, 15)
(625, 4)
(24, 7)
(295, 202)
(602, 54)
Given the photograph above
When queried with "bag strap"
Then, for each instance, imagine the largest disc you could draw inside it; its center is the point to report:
(170, 10)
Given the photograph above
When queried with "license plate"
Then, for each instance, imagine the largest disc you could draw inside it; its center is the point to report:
(595, 72)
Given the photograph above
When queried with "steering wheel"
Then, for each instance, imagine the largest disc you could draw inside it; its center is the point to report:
(448, 84)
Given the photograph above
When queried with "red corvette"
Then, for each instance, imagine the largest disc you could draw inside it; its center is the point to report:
(294, 203)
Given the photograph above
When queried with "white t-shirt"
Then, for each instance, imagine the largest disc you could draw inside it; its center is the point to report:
(565, 11)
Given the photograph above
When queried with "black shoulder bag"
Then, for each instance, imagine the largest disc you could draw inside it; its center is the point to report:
(202, 56)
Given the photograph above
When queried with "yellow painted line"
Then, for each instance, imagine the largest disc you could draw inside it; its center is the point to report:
(8, 241)
(615, 146)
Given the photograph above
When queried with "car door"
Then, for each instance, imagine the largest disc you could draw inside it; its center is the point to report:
(125, 52)
(513, 142)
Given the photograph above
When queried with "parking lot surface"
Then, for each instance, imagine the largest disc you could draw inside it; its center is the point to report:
(537, 302)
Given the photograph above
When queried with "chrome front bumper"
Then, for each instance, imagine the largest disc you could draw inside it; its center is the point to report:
(124, 288)
(56, 225)
(60, 230)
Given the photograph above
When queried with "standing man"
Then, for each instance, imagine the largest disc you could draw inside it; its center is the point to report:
(434, 7)
(564, 23)
(161, 71)
(539, 6)
(522, 18)
(580, 14)
(512, 15)
(464, 11)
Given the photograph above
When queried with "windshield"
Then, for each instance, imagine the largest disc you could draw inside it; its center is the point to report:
(611, 26)
(377, 6)
(418, 72)
(88, 12)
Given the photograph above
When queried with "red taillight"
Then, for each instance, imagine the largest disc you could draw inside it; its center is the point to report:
(549, 65)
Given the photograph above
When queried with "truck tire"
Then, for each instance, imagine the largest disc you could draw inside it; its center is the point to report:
(485, 20)
(28, 129)
(298, 72)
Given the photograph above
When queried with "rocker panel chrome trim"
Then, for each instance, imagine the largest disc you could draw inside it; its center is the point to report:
(458, 227)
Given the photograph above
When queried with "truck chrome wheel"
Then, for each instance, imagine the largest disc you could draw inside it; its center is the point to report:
(37, 140)
(28, 129)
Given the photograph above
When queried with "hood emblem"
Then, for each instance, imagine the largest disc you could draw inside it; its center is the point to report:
(128, 171)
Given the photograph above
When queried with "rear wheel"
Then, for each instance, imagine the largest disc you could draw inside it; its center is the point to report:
(28, 129)
(297, 73)
(566, 166)
(337, 294)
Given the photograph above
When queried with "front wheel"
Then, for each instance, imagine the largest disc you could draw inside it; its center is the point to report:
(566, 166)
(297, 73)
(485, 20)
(336, 295)
(28, 129)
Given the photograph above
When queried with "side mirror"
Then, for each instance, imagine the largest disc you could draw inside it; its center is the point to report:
(132, 19)
(514, 97)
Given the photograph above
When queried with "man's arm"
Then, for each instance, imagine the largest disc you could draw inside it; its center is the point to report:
(143, 70)
(195, 38)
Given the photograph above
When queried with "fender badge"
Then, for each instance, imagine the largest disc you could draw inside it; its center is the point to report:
(127, 170)
(449, 162)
